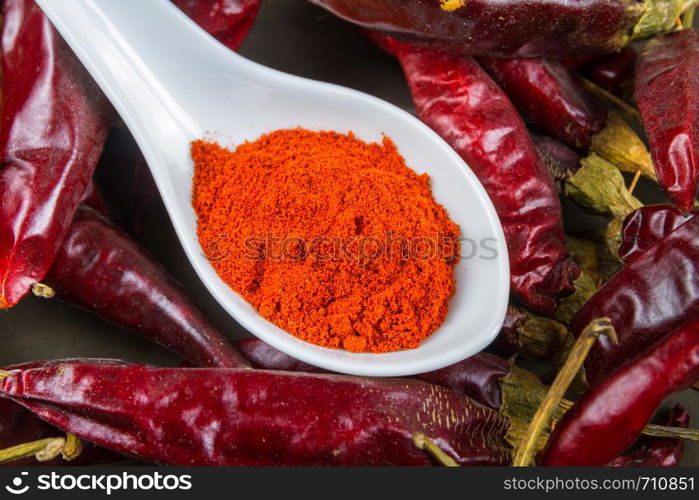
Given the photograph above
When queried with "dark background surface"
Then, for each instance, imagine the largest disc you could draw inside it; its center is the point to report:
(292, 36)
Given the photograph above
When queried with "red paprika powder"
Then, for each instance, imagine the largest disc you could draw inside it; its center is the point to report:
(333, 239)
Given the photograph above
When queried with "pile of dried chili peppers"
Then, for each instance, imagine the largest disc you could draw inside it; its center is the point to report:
(545, 100)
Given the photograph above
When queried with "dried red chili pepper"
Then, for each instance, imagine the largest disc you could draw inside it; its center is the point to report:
(101, 269)
(460, 102)
(665, 90)
(252, 417)
(529, 336)
(549, 96)
(612, 71)
(476, 377)
(652, 295)
(611, 415)
(648, 225)
(514, 28)
(560, 159)
(658, 452)
(226, 20)
(18, 426)
(53, 127)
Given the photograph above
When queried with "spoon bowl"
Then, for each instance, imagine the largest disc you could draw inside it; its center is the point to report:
(172, 83)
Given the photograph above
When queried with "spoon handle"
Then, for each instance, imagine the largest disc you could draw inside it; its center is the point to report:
(140, 57)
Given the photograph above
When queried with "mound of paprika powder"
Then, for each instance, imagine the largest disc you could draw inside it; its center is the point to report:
(333, 239)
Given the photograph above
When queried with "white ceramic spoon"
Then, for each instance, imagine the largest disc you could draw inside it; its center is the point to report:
(172, 83)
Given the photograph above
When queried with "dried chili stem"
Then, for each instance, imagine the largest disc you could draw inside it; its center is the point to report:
(599, 186)
(425, 443)
(597, 328)
(73, 447)
(43, 291)
(610, 98)
(43, 449)
(671, 432)
(660, 17)
(634, 181)
(619, 144)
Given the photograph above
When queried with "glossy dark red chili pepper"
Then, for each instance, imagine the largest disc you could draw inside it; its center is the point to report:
(648, 225)
(18, 426)
(226, 20)
(512, 28)
(560, 159)
(476, 377)
(101, 269)
(455, 97)
(218, 416)
(652, 295)
(52, 130)
(612, 71)
(550, 97)
(665, 90)
(611, 415)
(658, 452)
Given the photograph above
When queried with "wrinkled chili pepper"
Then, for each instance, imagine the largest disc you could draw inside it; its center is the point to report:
(612, 71)
(549, 96)
(253, 417)
(665, 90)
(514, 28)
(485, 378)
(560, 159)
(658, 452)
(455, 97)
(476, 377)
(18, 426)
(652, 295)
(611, 415)
(53, 127)
(648, 225)
(226, 20)
(527, 335)
(99, 268)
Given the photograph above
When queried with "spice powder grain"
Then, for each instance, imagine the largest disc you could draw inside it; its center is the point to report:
(333, 239)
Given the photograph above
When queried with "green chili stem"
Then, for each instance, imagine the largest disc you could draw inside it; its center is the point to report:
(578, 354)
